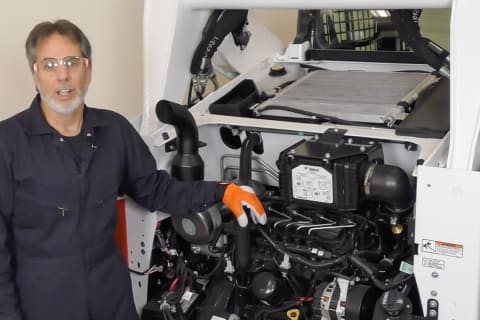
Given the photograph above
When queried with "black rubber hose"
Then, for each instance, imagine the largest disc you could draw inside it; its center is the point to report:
(185, 126)
(242, 235)
(370, 271)
(242, 247)
(245, 175)
(187, 165)
(390, 185)
(219, 25)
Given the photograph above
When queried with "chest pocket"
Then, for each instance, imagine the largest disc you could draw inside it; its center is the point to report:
(38, 204)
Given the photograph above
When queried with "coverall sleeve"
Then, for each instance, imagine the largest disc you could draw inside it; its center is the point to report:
(9, 303)
(156, 189)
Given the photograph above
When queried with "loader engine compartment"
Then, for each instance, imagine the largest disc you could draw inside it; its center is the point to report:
(329, 137)
(338, 243)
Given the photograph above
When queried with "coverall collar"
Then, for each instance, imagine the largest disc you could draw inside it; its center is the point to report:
(35, 123)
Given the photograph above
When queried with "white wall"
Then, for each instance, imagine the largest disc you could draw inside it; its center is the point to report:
(114, 28)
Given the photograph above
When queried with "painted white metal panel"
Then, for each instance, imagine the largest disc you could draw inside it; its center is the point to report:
(448, 234)
(464, 93)
(171, 33)
(141, 226)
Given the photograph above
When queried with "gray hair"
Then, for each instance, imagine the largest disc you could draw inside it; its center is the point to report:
(62, 27)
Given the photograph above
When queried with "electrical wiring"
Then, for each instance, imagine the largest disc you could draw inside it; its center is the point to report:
(149, 271)
(299, 258)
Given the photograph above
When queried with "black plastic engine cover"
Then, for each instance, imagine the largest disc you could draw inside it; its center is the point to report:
(324, 172)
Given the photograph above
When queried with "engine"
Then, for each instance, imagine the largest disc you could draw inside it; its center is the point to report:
(337, 245)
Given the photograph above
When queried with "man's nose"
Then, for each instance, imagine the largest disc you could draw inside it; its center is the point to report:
(62, 72)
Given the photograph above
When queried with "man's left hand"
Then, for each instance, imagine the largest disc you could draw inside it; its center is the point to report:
(237, 197)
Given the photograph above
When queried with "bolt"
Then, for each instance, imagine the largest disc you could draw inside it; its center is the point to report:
(434, 274)
(433, 293)
(362, 149)
(433, 304)
(327, 155)
(432, 313)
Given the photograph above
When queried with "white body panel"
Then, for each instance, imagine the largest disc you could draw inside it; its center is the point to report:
(447, 215)
(464, 97)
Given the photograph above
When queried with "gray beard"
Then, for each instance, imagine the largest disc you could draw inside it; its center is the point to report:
(62, 109)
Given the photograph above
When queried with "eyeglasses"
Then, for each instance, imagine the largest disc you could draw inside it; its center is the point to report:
(51, 64)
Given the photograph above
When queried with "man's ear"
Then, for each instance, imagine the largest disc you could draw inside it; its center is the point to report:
(35, 68)
(86, 62)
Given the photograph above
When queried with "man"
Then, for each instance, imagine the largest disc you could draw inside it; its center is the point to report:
(62, 165)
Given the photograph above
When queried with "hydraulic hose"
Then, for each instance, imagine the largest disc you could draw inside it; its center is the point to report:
(219, 25)
(406, 23)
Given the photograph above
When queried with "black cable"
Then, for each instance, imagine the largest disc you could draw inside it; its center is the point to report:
(318, 116)
(300, 259)
(141, 273)
(307, 113)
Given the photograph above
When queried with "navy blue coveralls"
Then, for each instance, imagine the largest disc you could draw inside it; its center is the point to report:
(58, 256)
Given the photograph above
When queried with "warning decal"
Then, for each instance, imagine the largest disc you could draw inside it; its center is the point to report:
(442, 248)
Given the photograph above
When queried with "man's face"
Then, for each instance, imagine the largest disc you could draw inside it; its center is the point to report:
(61, 74)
